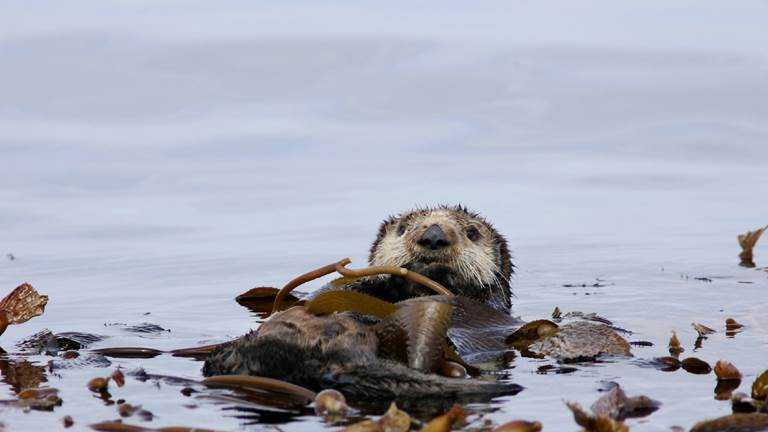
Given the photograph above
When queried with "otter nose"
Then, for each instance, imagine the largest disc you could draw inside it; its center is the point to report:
(434, 238)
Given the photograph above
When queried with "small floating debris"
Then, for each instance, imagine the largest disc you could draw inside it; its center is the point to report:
(118, 377)
(674, 345)
(127, 410)
(395, 420)
(67, 421)
(726, 371)
(21, 305)
(40, 399)
(141, 328)
(696, 366)
(546, 369)
(665, 364)
(760, 387)
(592, 423)
(731, 324)
(331, 405)
(641, 343)
(702, 330)
(732, 327)
(615, 405)
(445, 422)
(597, 284)
(724, 389)
(98, 385)
(747, 242)
(741, 403)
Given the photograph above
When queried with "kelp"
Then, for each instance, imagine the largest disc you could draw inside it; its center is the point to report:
(747, 242)
(595, 423)
(349, 301)
(340, 267)
(261, 384)
(21, 305)
(420, 328)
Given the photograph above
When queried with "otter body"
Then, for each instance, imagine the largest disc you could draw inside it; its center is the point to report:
(450, 245)
(337, 351)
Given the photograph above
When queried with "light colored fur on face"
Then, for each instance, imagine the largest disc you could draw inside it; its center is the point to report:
(475, 262)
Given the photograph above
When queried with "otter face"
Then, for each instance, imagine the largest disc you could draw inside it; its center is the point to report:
(451, 245)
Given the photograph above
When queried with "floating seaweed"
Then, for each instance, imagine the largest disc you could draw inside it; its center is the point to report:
(582, 341)
(674, 345)
(592, 423)
(742, 403)
(760, 387)
(395, 420)
(747, 242)
(21, 305)
(331, 405)
(726, 371)
(445, 422)
(696, 366)
(260, 300)
(702, 330)
(615, 405)
(734, 423)
(300, 395)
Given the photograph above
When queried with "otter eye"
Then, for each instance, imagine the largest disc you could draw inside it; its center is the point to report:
(401, 229)
(473, 234)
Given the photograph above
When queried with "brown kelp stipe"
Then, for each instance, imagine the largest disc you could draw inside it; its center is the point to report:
(197, 353)
(340, 267)
(306, 277)
(256, 383)
(747, 242)
(395, 271)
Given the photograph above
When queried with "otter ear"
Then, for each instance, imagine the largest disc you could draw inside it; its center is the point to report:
(385, 226)
(505, 258)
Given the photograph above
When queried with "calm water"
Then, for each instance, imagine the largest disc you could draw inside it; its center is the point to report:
(156, 161)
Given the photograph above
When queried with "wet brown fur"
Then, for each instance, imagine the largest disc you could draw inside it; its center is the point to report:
(341, 351)
(479, 268)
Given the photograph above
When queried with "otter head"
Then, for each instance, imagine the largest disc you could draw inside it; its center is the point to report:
(451, 245)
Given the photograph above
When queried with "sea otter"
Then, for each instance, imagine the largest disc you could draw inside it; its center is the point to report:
(399, 355)
(449, 244)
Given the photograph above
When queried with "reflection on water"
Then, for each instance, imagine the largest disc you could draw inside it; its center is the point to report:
(146, 189)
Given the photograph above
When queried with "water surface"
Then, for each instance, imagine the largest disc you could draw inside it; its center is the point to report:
(157, 160)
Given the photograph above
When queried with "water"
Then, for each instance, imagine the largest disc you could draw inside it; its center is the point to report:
(157, 160)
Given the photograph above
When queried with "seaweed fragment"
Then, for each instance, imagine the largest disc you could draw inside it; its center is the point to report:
(747, 242)
(21, 305)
